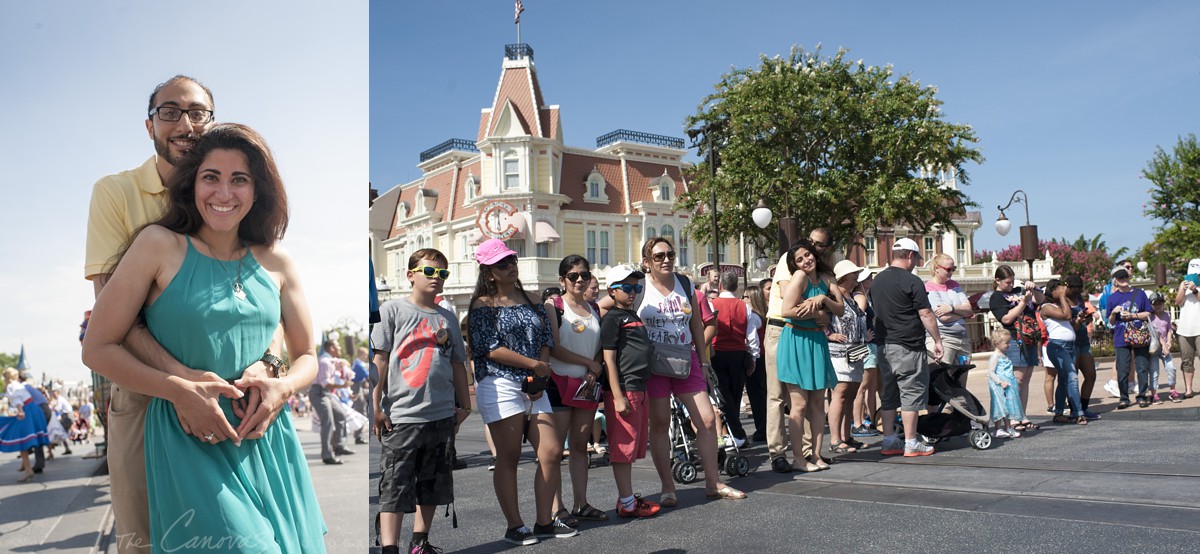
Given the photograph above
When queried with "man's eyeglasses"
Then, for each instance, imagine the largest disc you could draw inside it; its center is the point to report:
(660, 256)
(576, 275)
(818, 243)
(505, 263)
(627, 288)
(170, 113)
(430, 271)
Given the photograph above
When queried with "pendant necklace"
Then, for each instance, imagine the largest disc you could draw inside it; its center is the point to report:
(238, 291)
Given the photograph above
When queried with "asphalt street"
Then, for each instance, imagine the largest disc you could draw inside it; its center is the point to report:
(1128, 482)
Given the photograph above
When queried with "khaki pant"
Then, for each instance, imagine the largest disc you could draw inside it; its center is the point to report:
(1187, 354)
(126, 436)
(777, 396)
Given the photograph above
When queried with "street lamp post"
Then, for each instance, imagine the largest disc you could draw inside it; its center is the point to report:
(1029, 236)
(708, 131)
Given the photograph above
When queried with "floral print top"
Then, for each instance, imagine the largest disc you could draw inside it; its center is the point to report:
(523, 329)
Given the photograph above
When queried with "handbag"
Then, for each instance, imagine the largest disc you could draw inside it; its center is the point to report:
(1137, 334)
(1028, 331)
(857, 353)
(672, 360)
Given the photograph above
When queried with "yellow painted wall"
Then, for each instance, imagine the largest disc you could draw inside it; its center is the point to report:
(543, 173)
(572, 235)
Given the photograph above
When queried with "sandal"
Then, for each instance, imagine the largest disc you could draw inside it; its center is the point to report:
(566, 518)
(1060, 419)
(725, 492)
(1019, 427)
(1030, 426)
(856, 444)
(27, 478)
(1081, 420)
(668, 500)
(1189, 394)
(843, 448)
(589, 513)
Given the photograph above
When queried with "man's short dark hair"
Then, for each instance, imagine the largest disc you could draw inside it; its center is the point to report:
(212, 104)
(729, 281)
(329, 343)
(904, 254)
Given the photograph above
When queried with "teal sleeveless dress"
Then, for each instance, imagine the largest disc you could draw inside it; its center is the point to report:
(802, 356)
(219, 497)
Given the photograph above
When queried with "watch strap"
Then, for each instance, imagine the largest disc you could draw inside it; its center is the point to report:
(274, 362)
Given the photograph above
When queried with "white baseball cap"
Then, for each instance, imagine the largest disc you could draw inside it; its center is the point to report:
(906, 243)
(1193, 266)
(620, 272)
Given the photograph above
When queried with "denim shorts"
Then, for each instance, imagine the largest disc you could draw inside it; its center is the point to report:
(1021, 355)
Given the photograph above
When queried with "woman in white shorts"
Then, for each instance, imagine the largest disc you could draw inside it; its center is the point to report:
(847, 349)
(510, 347)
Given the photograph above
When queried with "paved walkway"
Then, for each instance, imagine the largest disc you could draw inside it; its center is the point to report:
(67, 508)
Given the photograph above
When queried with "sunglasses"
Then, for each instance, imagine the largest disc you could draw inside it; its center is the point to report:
(660, 256)
(627, 288)
(950, 269)
(577, 275)
(505, 263)
(430, 271)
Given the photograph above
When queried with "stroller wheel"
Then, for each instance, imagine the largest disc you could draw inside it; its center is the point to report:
(737, 466)
(981, 439)
(684, 473)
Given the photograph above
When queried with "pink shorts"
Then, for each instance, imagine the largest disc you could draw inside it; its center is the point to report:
(659, 386)
(627, 434)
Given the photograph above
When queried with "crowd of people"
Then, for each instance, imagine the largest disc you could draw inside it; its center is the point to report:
(821, 345)
(34, 420)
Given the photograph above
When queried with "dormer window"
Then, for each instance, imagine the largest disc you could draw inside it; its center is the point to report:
(472, 186)
(663, 188)
(594, 187)
(401, 213)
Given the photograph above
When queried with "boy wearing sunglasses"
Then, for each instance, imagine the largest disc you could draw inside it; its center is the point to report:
(627, 355)
(419, 401)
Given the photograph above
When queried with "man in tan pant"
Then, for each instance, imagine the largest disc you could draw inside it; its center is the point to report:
(180, 109)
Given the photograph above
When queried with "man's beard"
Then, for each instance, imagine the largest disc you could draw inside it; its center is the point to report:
(163, 148)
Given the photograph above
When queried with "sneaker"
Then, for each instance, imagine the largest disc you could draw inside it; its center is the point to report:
(1050, 410)
(423, 548)
(492, 465)
(521, 536)
(1174, 396)
(738, 442)
(1157, 399)
(641, 508)
(1003, 434)
(781, 465)
(1092, 416)
(921, 449)
(554, 530)
(1013, 433)
(864, 431)
(893, 447)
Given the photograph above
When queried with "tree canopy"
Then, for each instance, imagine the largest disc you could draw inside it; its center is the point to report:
(833, 142)
(1175, 201)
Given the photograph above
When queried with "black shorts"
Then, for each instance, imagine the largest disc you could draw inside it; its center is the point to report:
(416, 467)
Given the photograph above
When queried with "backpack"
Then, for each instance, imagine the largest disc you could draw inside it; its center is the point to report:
(1028, 330)
(559, 307)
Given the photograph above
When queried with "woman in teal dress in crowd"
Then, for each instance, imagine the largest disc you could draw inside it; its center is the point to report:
(213, 287)
(805, 367)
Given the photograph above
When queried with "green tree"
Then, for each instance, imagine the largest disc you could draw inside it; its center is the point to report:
(1094, 244)
(8, 360)
(833, 142)
(1175, 201)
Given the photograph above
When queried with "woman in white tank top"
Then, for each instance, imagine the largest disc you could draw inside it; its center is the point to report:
(575, 325)
(1056, 312)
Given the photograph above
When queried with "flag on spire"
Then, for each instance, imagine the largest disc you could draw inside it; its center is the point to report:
(517, 12)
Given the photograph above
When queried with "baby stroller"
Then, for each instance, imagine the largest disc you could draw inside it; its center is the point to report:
(685, 464)
(966, 416)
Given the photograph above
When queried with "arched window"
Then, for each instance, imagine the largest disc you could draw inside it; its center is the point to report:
(667, 232)
(651, 233)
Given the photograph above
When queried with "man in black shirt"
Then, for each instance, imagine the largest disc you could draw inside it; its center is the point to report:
(902, 317)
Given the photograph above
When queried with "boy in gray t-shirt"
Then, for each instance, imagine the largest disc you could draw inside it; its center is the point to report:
(420, 399)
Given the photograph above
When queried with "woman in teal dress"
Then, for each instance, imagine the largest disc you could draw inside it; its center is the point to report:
(802, 356)
(213, 287)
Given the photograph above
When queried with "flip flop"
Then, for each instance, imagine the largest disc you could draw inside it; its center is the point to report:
(590, 513)
(725, 492)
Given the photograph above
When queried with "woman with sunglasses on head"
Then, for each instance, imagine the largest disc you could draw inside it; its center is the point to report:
(805, 365)
(575, 362)
(510, 344)
(675, 313)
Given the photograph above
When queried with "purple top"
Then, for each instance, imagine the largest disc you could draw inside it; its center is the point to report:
(1134, 301)
(1162, 325)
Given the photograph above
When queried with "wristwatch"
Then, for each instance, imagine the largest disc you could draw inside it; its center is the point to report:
(276, 364)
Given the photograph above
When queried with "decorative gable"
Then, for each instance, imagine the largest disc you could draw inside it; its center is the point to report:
(594, 187)
(662, 189)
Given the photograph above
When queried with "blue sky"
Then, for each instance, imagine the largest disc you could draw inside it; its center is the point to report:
(1069, 99)
(76, 79)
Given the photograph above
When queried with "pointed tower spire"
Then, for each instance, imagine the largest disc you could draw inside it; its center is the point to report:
(22, 361)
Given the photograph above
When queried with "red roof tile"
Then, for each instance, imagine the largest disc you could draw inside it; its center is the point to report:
(515, 87)
(575, 171)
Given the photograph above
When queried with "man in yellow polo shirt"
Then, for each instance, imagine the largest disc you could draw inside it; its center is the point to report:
(180, 109)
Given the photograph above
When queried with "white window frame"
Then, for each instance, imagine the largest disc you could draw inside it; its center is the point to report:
(683, 249)
(605, 249)
(667, 231)
(515, 182)
(590, 245)
(960, 243)
(871, 248)
(594, 187)
(929, 246)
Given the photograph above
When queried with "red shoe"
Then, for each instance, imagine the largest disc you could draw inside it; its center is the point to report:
(641, 508)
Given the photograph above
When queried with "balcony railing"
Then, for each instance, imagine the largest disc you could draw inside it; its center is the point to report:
(518, 51)
(452, 144)
(635, 136)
